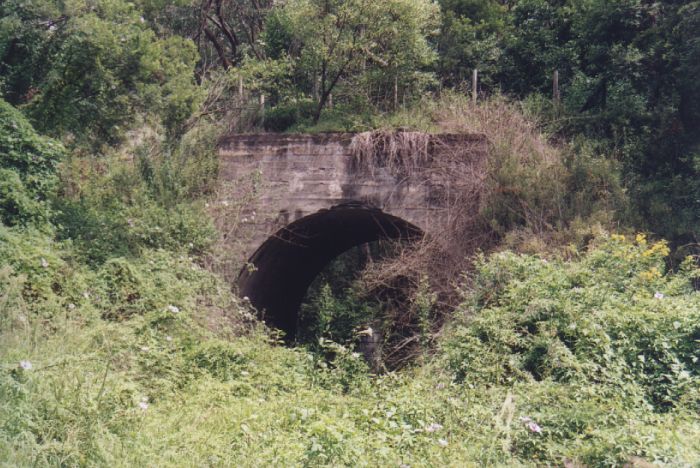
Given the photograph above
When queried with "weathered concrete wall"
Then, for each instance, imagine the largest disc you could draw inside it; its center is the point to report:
(298, 175)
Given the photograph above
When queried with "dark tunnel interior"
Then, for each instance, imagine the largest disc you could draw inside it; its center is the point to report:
(287, 262)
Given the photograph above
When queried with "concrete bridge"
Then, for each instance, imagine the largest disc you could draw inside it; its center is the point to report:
(308, 198)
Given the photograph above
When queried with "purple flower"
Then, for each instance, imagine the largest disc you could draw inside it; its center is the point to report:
(658, 295)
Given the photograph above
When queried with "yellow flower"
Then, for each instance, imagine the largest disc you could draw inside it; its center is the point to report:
(641, 239)
(660, 248)
(650, 274)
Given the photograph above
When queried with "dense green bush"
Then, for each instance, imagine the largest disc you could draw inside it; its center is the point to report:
(286, 115)
(49, 278)
(614, 318)
(28, 170)
(85, 70)
(132, 207)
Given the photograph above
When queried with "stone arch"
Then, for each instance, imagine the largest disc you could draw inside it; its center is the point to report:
(284, 266)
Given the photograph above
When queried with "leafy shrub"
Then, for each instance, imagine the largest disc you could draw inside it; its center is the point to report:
(44, 268)
(614, 317)
(118, 216)
(28, 175)
(18, 205)
(158, 281)
(284, 116)
(97, 67)
(220, 358)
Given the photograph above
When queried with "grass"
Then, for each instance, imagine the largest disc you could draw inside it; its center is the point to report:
(164, 388)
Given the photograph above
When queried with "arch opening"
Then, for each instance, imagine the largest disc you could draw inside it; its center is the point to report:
(288, 261)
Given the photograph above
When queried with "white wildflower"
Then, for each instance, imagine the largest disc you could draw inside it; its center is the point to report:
(26, 365)
(442, 442)
(534, 427)
(44, 263)
(433, 427)
(71, 306)
(168, 338)
(143, 405)
(658, 295)
(173, 309)
(145, 349)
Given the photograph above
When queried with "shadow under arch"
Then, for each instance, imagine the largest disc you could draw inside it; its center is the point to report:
(288, 261)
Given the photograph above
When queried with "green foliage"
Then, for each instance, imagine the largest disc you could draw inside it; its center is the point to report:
(329, 317)
(334, 43)
(625, 69)
(471, 37)
(101, 228)
(28, 165)
(87, 70)
(287, 115)
(118, 348)
(614, 318)
(118, 209)
(42, 268)
(219, 358)
(143, 389)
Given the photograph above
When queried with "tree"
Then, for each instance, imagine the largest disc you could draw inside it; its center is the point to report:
(336, 40)
(89, 68)
(472, 36)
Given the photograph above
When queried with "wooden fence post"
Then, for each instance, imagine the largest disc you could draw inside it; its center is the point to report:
(396, 92)
(475, 82)
(240, 87)
(262, 109)
(555, 87)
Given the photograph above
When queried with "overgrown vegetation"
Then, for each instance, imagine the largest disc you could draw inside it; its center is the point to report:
(592, 360)
(122, 344)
